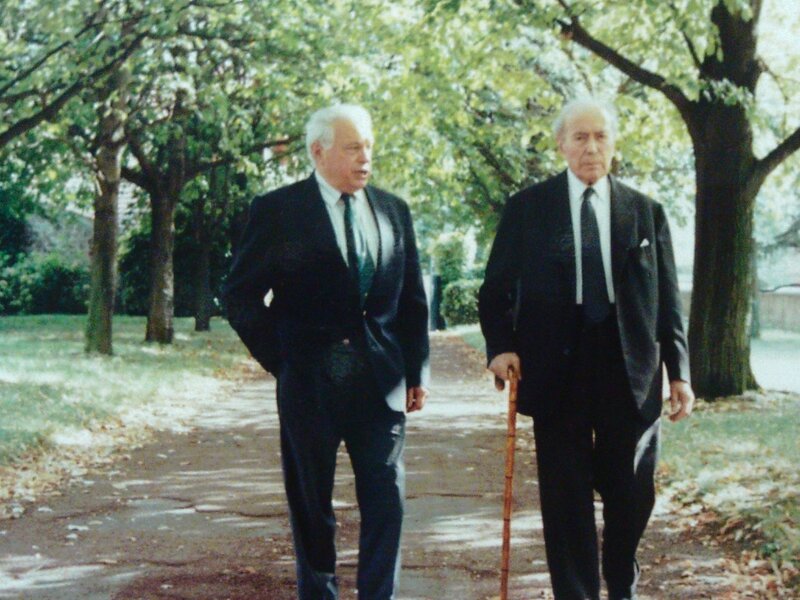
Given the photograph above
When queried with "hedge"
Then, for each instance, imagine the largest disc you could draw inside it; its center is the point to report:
(42, 283)
(460, 302)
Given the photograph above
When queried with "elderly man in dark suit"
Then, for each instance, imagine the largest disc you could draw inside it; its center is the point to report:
(581, 299)
(326, 293)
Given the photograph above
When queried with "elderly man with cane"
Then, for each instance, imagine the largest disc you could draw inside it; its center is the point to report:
(581, 301)
(345, 335)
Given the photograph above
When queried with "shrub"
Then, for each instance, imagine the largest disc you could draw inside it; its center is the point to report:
(449, 257)
(43, 283)
(133, 287)
(460, 302)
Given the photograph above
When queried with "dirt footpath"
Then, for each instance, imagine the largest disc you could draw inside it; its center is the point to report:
(202, 515)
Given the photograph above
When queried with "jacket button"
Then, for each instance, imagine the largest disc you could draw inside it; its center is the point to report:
(346, 341)
(364, 313)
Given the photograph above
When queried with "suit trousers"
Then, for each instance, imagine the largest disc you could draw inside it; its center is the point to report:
(595, 440)
(333, 399)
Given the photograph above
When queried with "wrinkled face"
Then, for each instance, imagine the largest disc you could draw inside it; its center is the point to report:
(587, 143)
(346, 164)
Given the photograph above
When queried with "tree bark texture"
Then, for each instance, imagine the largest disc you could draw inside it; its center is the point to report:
(203, 298)
(204, 303)
(162, 279)
(755, 299)
(719, 343)
(104, 238)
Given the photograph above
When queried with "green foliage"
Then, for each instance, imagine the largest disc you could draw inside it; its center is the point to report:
(212, 213)
(463, 94)
(51, 51)
(28, 181)
(449, 257)
(460, 302)
(462, 103)
(133, 279)
(220, 81)
(674, 40)
(43, 284)
(14, 236)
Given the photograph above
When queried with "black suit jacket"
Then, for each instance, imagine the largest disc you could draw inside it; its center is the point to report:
(289, 247)
(527, 301)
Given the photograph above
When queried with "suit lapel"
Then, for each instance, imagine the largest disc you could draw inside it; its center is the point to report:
(314, 211)
(623, 228)
(561, 228)
(385, 232)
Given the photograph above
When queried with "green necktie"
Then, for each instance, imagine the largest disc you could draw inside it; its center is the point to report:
(359, 261)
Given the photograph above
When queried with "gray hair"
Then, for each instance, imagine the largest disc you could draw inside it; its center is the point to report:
(580, 104)
(319, 127)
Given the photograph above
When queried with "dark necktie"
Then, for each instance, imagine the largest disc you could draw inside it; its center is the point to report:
(359, 261)
(595, 294)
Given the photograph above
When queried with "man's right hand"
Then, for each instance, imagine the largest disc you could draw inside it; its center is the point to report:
(499, 366)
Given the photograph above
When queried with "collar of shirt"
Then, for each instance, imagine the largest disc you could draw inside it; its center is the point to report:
(331, 195)
(601, 200)
(363, 214)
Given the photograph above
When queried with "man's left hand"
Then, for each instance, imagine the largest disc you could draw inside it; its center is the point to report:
(415, 398)
(681, 400)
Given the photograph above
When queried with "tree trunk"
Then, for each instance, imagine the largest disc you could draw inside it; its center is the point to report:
(203, 303)
(755, 300)
(162, 279)
(722, 281)
(104, 237)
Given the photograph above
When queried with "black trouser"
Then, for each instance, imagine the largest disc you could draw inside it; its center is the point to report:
(333, 399)
(595, 440)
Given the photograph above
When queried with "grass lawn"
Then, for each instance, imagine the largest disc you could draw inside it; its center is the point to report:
(738, 458)
(48, 384)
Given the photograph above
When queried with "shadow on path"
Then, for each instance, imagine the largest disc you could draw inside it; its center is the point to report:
(202, 515)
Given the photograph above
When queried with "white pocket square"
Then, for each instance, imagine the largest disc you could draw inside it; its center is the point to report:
(645, 243)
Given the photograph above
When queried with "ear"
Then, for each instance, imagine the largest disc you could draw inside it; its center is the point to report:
(316, 150)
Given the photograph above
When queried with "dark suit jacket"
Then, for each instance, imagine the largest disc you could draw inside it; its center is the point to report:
(527, 301)
(289, 247)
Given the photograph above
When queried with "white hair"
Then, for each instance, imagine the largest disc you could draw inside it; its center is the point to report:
(319, 127)
(581, 104)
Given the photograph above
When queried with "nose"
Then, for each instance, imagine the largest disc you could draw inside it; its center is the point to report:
(591, 145)
(364, 155)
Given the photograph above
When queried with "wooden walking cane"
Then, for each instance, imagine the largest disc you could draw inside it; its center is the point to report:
(511, 445)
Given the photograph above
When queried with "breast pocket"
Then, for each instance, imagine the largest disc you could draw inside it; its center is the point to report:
(643, 257)
(640, 279)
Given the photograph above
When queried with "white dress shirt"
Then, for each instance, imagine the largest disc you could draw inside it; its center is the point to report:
(362, 212)
(601, 202)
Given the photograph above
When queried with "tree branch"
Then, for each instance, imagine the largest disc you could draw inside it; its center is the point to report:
(12, 99)
(486, 194)
(50, 110)
(147, 176)
(780, 153)
(778, 79)
(137, 178)
(689, 44)
(494, 162)
(204, 166)
(24, 74)
(574, 31)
